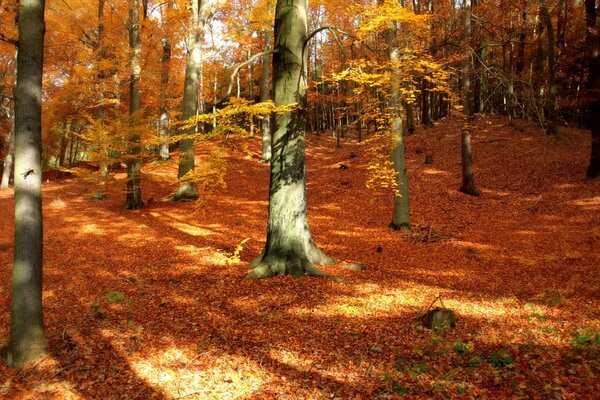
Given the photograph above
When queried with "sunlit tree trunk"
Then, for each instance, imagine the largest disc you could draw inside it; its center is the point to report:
(165, 62)
(468, 179)
(27, 340)
(401, 212)
(289, 249)
(134, 163)
(104, 142)
(187, 187)
(593, 87)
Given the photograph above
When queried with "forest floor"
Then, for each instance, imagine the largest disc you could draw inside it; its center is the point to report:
(153, 304)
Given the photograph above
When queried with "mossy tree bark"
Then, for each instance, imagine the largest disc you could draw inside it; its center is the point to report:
(27, 340)
(289, 249)
(187, 188)
(134, 163)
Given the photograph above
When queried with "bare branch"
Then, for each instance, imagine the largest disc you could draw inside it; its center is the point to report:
(236, 71)
(5, 96)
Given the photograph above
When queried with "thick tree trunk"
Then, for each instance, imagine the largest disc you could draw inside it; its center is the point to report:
(134, 163)
(27, 340)
(265, 95)
(187, 186)
(165, 62)
(593, 88)
(289, 249)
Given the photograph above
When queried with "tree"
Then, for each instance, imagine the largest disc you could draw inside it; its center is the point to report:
(401, 213)
(134, 163)
(468, 179)
(165, 61)
(593, 87)
(27, 340)
(265, 92)
(187, 188)
(290, 249)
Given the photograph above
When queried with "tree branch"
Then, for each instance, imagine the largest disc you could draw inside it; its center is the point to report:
(5, 96)
(236, 71)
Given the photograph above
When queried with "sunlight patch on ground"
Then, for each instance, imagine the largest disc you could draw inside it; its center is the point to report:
(433, 171)
(205, 375)
(592, 203)
(191, 229)
(526, 232)
(92, 228)
(471, 245)
(57, 204)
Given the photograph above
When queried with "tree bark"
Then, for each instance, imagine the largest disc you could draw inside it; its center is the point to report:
(187, 187)
(165, 62)
(134, 163)
(468, 179)
(401, 212)
(289, 249)
(27, 340)
(550, 105)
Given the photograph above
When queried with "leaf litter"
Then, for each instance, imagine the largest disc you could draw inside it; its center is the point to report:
(153, 304)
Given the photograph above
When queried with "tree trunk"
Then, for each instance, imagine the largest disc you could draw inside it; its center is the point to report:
(265, 95)
(550, 105)
(401, 212)
(289, 249)
(165, 62)
(468, 181)
(134, 163)
(27, 340)
(593, 88)
(187, 186)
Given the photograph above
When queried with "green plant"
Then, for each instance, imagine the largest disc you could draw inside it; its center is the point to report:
(462, 347)
(475, 362)
(584, 336)
(500, 359)
(114, 297)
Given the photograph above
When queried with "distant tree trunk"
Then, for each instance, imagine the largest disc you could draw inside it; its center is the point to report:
(134, 163)
(468, 181)
(27, 340)
(187, 186)
(550, 104)
(593, 87)
(10, 156)
(165, 62)
(289, 249)
(265, 95)
(104, 142)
